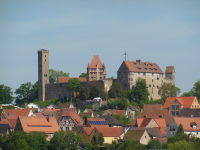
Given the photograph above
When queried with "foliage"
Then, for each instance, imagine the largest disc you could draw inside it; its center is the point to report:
(94, 140)
(131, 145)
(37, 140)
(110, 147)
(96, 90)
(53, 74)
(47, 102)
(96, 147)
(111, 77)
(180, 129)
(196, 89)
(121, 104)
(123, 119)
(84, 93)
(16, 140)
(168, 89)
(178, 137)
(5, 94)
(88, 146)
(9, 107)
(181, 145)
(116, 90)
(84, 75)
(73, 85)
(89, 107)
(137, 113)
(100, 139)
(58, 142)
(154, 144)
(103, 107)
(26, 93)
(86, 116)
(73, 140)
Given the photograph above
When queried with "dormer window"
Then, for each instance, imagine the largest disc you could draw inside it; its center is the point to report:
(193, 125)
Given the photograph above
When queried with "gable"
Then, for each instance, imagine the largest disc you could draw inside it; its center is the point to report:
(123, 67)
(152, 124)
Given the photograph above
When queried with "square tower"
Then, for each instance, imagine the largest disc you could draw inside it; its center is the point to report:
(43, 72)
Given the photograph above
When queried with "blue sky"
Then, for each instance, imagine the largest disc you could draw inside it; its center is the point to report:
(164, 32)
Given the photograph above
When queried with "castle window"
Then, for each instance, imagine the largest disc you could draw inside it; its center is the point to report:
(152, 80)
(45, 55)
(157, 86)
(45, 60)
(149, 85)
(131, 79)
(143, 74)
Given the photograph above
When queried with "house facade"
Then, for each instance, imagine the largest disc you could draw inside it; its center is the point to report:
(129, 72)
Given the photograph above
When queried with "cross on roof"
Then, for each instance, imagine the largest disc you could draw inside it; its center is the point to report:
(125, 55)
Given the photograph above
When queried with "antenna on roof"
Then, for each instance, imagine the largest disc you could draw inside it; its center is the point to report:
(125, 55)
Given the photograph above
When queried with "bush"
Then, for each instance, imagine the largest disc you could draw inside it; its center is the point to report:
(47, 102)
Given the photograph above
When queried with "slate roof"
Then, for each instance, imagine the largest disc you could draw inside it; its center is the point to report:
(187, 112)
(66, 79)
(110, 131)
(4, 128)
(39, 124)
(63, 105)
(135, 135)
(143, 67)
(186, 101)
(152, 107)
(111, 120)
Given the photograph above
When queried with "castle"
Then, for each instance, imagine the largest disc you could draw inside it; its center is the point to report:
(127, 75)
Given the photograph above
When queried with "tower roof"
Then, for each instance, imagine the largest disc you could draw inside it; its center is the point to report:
(94, 62)
(170, 69)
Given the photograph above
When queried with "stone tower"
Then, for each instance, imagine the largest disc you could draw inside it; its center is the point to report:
(43, 72)
(170, 74)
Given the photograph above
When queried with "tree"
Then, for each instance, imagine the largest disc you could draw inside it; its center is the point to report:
(84, 75)
(84, 93)
(86, 116)
(111, 77)
(137, 113)
(58, 141)
(124, 120)
(5, 94)
(26, 93)
(37, 140)
(116, 90)
(131, 145)
(96, 89)
(73, 140)
(89, 107)
(100, 139)
(88, 146)
(73, 85)
(168, 89)
(183, 145)
(9, 107)
(53, 74)
(180, 129)
(96, 147)
(122, 104)
(154, 144)
(196, 89)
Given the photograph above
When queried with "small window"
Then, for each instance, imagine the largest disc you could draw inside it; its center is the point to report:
(157, 87)
(60, 85)
(152, 80)
(170, 77)
(145, 137)
(125, 85)
(153, 85)
(173, 107)
(61, 128)
(45, 55)
(45, 60)
(173, 112)
(82, 131)
(177, 107)
(152, 74)
(177, 112)
(149, 85)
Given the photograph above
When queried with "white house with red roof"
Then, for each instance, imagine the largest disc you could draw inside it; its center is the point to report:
(129, 72)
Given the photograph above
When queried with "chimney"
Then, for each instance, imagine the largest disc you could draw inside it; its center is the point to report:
(138, 61)
(8, 114)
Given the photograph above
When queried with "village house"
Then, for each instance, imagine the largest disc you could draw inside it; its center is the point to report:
(112, 122)
(175, 104)
(130, 111)
(189, 112)
(191, 126)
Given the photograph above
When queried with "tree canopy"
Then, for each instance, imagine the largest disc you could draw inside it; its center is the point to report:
(73, 140)
(26, 93)
(169, 89)
(100, 139)
(84, 75)
(53, 74)
(116, 90)
(96, 89)
(73, 85)
(6, 94)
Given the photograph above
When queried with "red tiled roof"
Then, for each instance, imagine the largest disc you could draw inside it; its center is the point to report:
(186, 101)
(163, 130)
(18, 112)
(186, 122)
(169, 69)
(160, 121)
(77, 119)
(144, 67)
(116, 112)
(56, 110)
(110, 131)
(145, 122)
(163, 140)
(97, 119)
(94, 62)
(5, 121)
(152, 106)
(88, 130)
(66, 79)
(39, 124)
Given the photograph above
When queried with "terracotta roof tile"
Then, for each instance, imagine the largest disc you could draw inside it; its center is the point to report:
(186, 122)
(77, 119)
(18, 112)
(64, 105)
(110, 131)
(145, 122)
(169, 69)
(186, 101)
(94, 62)
(88, 130)
(152, 107)
(66, 79)
(163, 130)
(160, 121)
(163, 140)
(39, 124)
(143, 67)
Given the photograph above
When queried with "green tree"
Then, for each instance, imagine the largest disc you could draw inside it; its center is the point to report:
(131, 145)
(84, 75)
(180, 129)
(16, 140)
(140, 92)
(122, 104)
(6, 94)
(137, 113)
(53, 74)
(124, 120)
(196, 89)
(116, 90)
(73, 85)
(37, 140)
(73, 140)
(100, 139)
(84, 93)
(96, 89)
(96, 147)
(111, 77)
(58, 141)
(181, 145)
(26, 93)
(9, 107)
(86, 116)
(154, 144)
(168, 89)
(89, 107)
(88, 146)
(110, 147)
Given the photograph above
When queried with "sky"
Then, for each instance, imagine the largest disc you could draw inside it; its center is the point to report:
(165, 32)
